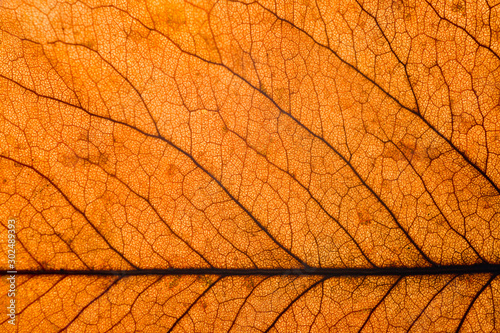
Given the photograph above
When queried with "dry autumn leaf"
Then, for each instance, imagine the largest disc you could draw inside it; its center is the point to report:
(245, 166)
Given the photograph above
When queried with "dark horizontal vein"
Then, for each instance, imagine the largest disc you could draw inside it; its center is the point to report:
(309, 271)
(195, 162)
(418, 114)
(72, 205)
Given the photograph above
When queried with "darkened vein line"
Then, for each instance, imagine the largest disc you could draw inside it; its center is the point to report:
(417, 114)
(159, 136)
(430, 301)
(161, 218)
(465, 30)
(308, 191)
(119, 73)
(393, 52)
(90, 303)
(245, 302)
(471, 304)
(56, 234)
(129, 126)
(72, 205)
(27, 250)
(293, 301)
(493, 306)
(424, 255)
(139, 294)
(41, 46)
(228, 240)
(363, 182)
(194, 302)
(437, 206)
(380, 302)
(324, 23)
(155, 211)
(37, 299)
(308, 271)
(320, 307)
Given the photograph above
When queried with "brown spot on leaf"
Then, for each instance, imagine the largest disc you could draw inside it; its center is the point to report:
(240, 242)
(458, 6)
(433, 153)
(463, 122)
(364, 217)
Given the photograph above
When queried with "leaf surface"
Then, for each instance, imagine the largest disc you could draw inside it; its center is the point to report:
(202, 166)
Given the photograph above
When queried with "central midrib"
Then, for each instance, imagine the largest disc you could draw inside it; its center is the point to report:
(396, 271)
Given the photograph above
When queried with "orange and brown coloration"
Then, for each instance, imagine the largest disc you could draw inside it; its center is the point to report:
(214, 166)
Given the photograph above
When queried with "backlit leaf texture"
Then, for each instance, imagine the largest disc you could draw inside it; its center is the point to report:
(251, 166)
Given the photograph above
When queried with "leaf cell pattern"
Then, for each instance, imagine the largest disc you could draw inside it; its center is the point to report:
(252, 166)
